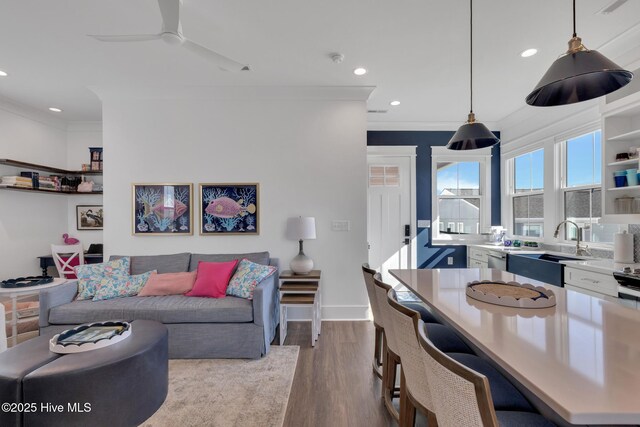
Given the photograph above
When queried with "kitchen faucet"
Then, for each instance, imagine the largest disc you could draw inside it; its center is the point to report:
(580, 251)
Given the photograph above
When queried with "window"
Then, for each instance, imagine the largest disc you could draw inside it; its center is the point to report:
(582, 196)
(384, 176)
(527, 199)
(460, 193)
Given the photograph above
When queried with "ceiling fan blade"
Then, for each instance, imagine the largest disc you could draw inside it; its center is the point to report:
(221, 61)
(170, 10)
(127, 38)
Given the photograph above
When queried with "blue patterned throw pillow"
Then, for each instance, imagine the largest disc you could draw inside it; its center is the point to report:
(246, 278)
(128, 286)
(90, 276)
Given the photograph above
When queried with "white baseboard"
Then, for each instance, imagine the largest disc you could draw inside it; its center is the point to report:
(332, 312)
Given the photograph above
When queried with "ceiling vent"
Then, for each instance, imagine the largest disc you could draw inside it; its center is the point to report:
(610, 8)
(377, 111)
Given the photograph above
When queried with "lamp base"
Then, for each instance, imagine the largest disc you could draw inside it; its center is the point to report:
(301, 264)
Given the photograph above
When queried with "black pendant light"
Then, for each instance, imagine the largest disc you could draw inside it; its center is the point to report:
(472, 135)
(578, 75)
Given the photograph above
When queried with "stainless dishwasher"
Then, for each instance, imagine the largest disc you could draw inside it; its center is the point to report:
(497, 260)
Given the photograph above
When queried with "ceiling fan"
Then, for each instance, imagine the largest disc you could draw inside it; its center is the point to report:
(171, 33)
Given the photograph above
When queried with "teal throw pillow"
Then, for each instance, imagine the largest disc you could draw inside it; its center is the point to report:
(90, 276)
(246, 278)
(122, 286)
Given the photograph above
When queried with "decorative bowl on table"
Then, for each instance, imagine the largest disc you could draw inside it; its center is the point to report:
(511, 294)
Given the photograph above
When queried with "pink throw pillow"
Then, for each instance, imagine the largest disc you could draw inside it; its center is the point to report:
(212, 279)
(168, 284)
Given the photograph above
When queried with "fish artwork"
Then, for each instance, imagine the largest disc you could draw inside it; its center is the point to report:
(224, 207)
(167, 212)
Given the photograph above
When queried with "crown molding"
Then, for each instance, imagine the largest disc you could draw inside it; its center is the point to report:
(316, 93)
(27, 112)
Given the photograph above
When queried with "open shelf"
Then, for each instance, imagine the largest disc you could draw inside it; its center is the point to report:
(39, 190)
(628, 136)
(34, 166)
(628, 187)
(624, 162)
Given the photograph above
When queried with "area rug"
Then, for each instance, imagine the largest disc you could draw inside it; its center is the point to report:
(228, 392)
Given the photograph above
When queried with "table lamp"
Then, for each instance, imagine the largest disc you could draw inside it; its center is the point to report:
(301, 228)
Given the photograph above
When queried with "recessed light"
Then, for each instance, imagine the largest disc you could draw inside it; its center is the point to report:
(528, 52)
(3, 73)
(55, 109)
(394, 103)
(360, 71)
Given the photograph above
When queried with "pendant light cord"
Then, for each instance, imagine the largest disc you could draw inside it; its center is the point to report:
(575, 34)
(471, 55)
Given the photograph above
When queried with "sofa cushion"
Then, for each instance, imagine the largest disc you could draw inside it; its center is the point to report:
(212, 279)
(257, 257)
(174, 263)
(247, 277)
(90, 276)
(128, 286)
(165, 309)
(168, 284)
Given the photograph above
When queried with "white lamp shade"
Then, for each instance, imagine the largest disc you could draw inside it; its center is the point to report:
(301, 228)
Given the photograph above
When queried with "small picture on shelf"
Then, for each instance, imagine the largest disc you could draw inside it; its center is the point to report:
(89, 217)
(162, 209)
(229, 209)
(95, 154)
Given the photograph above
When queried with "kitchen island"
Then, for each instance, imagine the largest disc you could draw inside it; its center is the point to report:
(581, 358)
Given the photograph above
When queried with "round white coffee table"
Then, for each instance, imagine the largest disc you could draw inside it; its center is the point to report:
(13, 294)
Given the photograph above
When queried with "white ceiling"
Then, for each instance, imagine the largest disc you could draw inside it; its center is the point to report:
(416, 50)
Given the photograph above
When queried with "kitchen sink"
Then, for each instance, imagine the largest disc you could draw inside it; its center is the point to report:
(545, 267)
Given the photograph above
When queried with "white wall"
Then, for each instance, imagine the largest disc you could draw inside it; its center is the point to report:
(307, 149)
(29, 222)
(81, 136)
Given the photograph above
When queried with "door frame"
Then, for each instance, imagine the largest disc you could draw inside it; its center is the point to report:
(380, 151)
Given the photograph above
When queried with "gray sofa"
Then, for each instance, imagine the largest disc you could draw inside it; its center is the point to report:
(199, 328)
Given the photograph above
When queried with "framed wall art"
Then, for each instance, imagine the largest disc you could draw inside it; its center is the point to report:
(230, 209)
(162, 209)
(89, 217)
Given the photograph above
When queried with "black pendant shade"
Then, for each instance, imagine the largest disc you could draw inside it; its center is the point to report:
(472, 136)
(576, 77)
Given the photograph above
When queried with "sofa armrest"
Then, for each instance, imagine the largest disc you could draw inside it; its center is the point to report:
(53, 297)
(266, 305)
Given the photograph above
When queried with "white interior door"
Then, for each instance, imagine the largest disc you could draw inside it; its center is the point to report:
(390, 208)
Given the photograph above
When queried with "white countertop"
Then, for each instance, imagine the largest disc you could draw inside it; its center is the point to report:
(581, 357)
(599, 265)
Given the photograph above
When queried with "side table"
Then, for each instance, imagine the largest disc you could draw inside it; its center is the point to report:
(301, 290)
(14, 293)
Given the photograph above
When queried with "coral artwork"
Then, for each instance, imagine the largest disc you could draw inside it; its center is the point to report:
(162, 209)
(229, 208)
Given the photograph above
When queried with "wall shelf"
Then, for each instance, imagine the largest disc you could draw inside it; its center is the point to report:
(628, 187)
(624, 162)
(627, 136)
(39, 190)
(34, 166)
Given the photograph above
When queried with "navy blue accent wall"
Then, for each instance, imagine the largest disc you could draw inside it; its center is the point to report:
(430, 256)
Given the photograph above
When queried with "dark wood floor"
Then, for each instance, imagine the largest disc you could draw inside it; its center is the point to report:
(334, 384)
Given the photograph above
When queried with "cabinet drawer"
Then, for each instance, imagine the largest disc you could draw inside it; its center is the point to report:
(478, 254)
(474, 263)
(593, 294)
(596, 282)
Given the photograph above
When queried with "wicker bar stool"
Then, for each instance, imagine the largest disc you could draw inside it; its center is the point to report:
(462, 397)
(368, 274)
(390, 357)
(414, 384)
